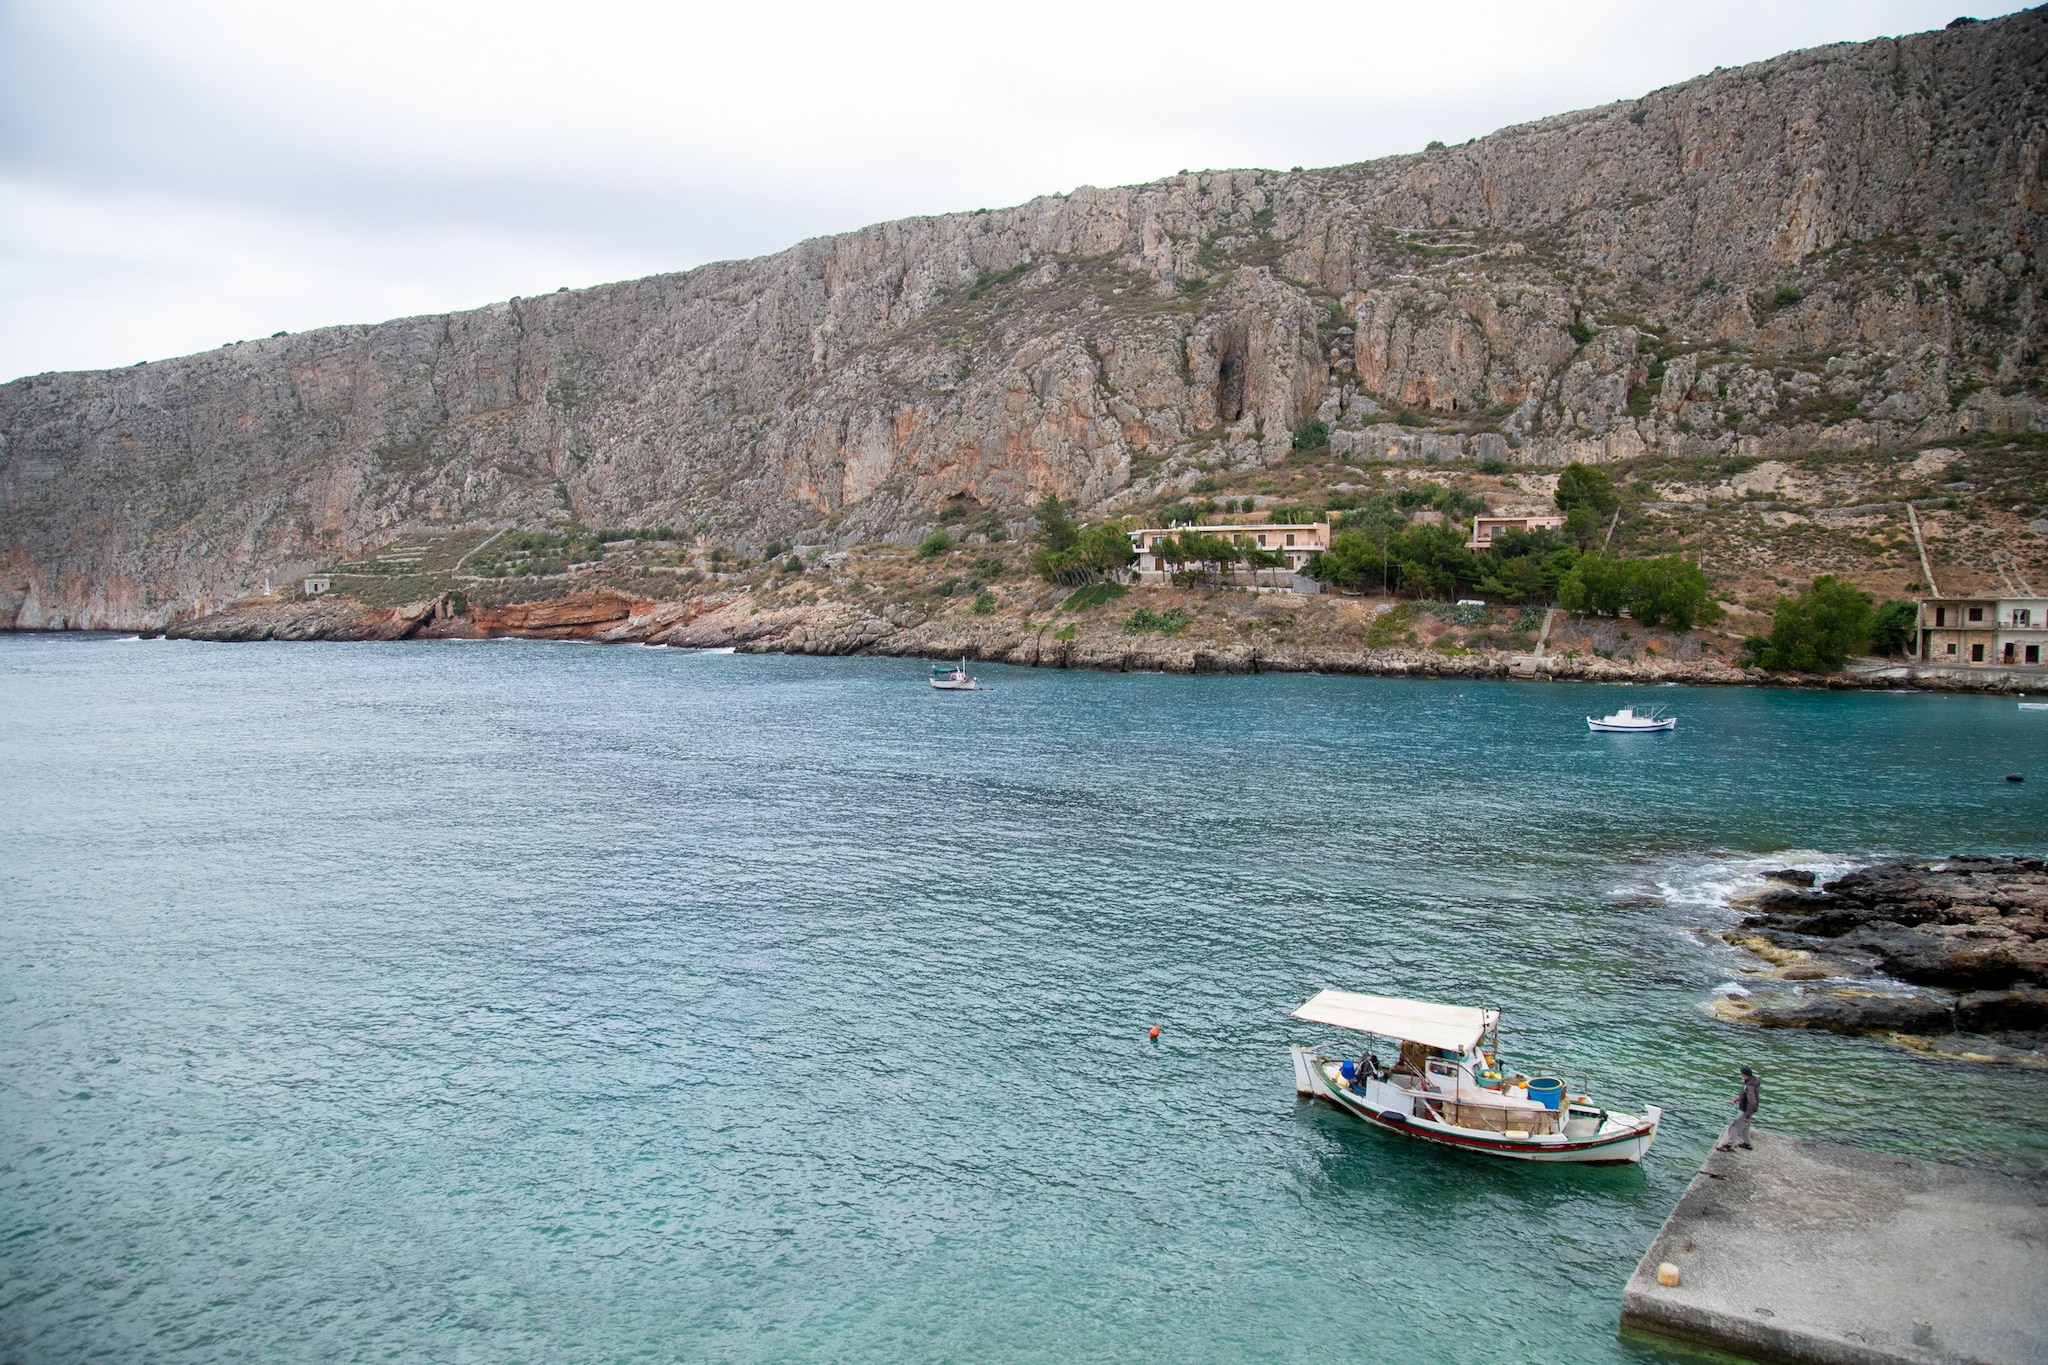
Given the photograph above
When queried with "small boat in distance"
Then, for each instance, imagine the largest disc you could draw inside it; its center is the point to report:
(1448, 1086)
(1627, 722)
(2034, 706)
(954, 679)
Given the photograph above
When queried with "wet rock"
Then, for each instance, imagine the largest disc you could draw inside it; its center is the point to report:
(1967, 923)
(1976, 925)
(2021, 1010)
(1794, 958)
(1785, 900)
(1842, 1010)
(1793, 876)
(1960, 958)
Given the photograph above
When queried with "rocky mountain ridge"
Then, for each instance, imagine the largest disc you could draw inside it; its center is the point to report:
(1836, 250)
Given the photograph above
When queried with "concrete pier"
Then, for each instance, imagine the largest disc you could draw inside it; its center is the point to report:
(1812, 1254)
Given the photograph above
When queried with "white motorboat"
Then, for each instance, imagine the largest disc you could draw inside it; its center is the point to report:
(1627, 722)
(2034, 706)
(1448, 1085)
(954, 679)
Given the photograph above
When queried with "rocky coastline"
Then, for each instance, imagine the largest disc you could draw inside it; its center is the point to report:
(1948, 957)
(739, 621)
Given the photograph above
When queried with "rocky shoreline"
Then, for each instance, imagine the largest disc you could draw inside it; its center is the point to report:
(1949, 957)
(738, 621)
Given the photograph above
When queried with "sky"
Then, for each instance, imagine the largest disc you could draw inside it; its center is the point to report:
(178, 174)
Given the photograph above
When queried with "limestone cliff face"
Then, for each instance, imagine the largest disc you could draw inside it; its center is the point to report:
(1838, 247)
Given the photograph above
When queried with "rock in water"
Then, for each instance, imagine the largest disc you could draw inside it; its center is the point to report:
(1974, 925)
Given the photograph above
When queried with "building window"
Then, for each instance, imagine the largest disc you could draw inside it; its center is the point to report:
(1976, 613)
(1951, 646)
(1976, 654)
(2008, 651)
(2033, 654)
(1290, 540)
(2022, 616)
(1941, 616)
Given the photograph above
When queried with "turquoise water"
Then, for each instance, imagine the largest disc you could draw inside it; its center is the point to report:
(518, 1001)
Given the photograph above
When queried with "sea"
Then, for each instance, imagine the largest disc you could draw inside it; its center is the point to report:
(525, 1001)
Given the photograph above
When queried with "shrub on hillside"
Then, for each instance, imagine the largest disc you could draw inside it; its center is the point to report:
(1818, 630)
(1668, 590)
(1145, 620)
(1312, 434)
(1894, 627)
(1093, 595)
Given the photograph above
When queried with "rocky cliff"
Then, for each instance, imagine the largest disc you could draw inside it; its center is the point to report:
(1837, 249)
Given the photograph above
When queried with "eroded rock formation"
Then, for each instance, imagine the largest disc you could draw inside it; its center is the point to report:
(1839, 247)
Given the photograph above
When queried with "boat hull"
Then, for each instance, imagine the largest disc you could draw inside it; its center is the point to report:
(1626, 1146)
(1601, 727)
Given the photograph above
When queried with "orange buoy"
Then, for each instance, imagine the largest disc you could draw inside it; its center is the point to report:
(1154, 1035)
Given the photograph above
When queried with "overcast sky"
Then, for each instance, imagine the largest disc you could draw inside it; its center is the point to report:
(178, 175)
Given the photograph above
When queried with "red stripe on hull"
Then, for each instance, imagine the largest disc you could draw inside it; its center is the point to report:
(1480, 1144)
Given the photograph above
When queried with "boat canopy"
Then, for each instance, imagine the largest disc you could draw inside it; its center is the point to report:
(1454, 1028)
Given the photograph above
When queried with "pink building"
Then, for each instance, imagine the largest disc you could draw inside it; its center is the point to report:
(1484, 529)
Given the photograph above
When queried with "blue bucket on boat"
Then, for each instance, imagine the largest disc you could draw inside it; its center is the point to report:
(1348, 1070)
(1547, 1091)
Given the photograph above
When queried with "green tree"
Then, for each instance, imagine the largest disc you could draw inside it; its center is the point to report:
(1056, 531)
(1104, 549)
(1312, 434)
(1596, 586)
(1352, 561)
(1818, 630)
(1668, 590)
(1089, 555)
(1525, 566)
(937, 543)
(1587, 498)
(1432, 560)
(1216, 553)
(1187, 513)
(1671, 590)
(1895, 627)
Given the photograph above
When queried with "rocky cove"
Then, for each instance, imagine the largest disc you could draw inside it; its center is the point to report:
(1946, 956)
(1195, 631)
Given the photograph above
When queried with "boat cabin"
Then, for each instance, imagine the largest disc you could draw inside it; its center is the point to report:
(1447, 1069)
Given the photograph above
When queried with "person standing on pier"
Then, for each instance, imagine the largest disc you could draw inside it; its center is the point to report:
(1745, 1105)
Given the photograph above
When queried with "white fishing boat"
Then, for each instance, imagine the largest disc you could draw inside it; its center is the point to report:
(1448, 1085)
(2034, 706)
(1627, 722)
(953, 679)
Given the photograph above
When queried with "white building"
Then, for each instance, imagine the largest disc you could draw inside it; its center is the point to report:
(1295, 544)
